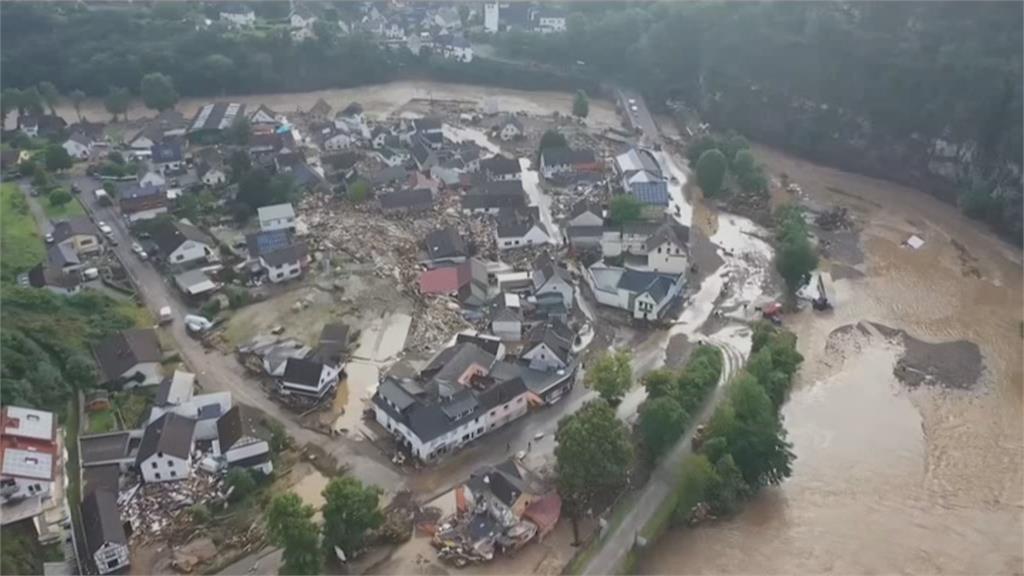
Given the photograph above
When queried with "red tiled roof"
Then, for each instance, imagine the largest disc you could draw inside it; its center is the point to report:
(446, 280)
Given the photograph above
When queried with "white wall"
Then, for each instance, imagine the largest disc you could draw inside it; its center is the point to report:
(151, 370)
(282, 273)
(586, 219)
(189, 251)
(165, 468)
(508, 330)
(146, 214)
(25, 487)
(669, 257)
(505, 413)
(277, 224)
(543, 358)
(110, 557)
(247, 450)
(76, 150)
(532, 237)
(553, 286)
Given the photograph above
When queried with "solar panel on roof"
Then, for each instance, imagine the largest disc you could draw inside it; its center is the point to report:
(271, 241)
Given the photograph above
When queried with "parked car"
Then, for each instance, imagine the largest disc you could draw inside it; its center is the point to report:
(137, 248)
(105, 228)
(49, 238)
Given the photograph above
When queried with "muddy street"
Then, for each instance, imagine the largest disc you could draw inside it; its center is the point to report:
(890, 477)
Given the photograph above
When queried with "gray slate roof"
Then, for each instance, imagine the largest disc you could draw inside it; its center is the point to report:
(670, 231)
(169, 434)
(117, 353)
(513, 222)
(74, 226)
(567, 156)
(500, 165)
(445, 243)
(235, 424)
(301, 371)
(101, 520)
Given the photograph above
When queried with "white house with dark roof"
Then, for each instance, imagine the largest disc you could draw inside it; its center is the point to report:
(165, 454)
(167, 156)
(241, 442)
(181, 243)
(105, 539)
(518, 228)
(644, 294)
(130, 357)
(49, 277)
(175, 395)
(550, 277)
(548, 346)
(667, 248)
(492, 197)
(308, 377)
(585, 226)
(284, 264)
(500, 167)
(564, 160)
(78, 146)
(453, 401)
(263, 116)
(507, 318)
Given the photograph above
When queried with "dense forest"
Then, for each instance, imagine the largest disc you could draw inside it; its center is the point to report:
(925, 93)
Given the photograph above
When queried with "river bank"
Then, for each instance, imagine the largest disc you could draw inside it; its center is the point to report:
(888, 477)
(377, 100)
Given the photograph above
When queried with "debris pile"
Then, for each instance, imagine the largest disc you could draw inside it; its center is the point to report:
(835, 218)
(159, 511)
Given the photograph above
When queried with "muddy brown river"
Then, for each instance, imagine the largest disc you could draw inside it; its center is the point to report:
(889, 478)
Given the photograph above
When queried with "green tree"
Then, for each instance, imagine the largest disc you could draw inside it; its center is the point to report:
(157, 92)
(593, 457)
(624, 208)
(730, 490)
(216, 68)
(711, 172)
(581, 105)
(552, 139)
(795, 258)
(59, 197)
(350, 510)
(699, 146)
(661, 423)
(57, 158)
(611, 376)
(50, 96)
(239, 132)
(10, 100)
(290, 526)
(697, 480)
(753, 433)
(77, 97)
(749, 174)
(359, 191)
(660, 383)
(30, 102)
(117, 101)
(242, 482)
(257, 188)
(732, 145)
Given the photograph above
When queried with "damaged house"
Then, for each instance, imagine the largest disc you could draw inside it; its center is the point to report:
(453, 401)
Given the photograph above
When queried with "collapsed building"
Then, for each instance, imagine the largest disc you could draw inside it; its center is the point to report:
(498, 511)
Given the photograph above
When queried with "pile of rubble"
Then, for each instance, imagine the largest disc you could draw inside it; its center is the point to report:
(476, 537)
(435, 323)
(835, 218)
(159, 511)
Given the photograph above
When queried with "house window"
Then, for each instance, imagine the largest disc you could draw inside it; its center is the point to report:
(170, 464)
(174, 474)
(87, 242)
(154, 465)
(156, 476)
(112, 563)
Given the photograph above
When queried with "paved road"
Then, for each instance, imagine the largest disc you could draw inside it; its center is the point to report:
(641, 117)
(214, 371)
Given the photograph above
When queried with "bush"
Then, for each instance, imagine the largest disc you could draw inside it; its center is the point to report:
(59, 197)
(211, 308)
(199, 513)
(243, 483)
(237, 297)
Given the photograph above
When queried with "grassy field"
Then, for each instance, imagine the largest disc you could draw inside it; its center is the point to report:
(20, 245)
(73, 208)
(102, 421)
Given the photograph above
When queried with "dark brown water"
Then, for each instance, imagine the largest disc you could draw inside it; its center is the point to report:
(889, 479)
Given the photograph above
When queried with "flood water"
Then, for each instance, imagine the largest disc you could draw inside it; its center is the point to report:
(889, 479)
(378, 101)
